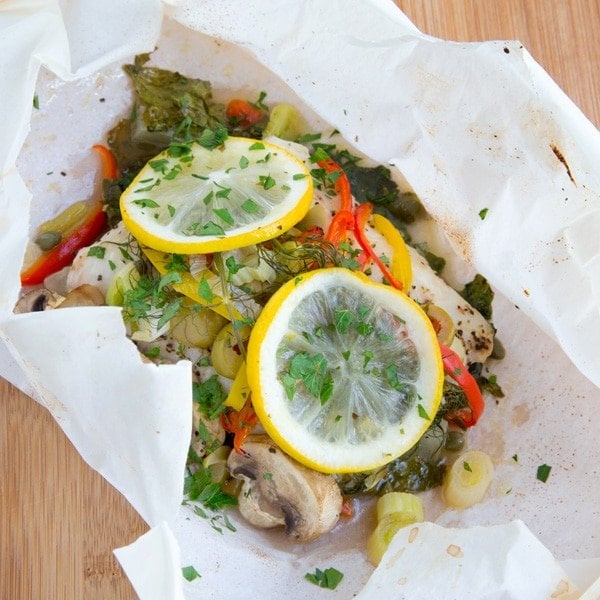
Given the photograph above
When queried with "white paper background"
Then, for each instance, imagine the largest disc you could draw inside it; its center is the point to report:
(463, 143)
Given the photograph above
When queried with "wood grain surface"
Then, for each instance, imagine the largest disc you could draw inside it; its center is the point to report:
(59, 520)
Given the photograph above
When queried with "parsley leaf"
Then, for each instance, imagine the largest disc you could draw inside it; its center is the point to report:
(313, 371)
(200, 487)
(266, 181)
(224, 215)
(329, 578)
(210, 396)
(190, 573)
(543, 472)
(213, 139)
(97, 251)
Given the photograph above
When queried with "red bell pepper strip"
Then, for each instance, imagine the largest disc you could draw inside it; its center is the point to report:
(240, 423)
(63, 254)
(454, 367)
(95, 222)
(343, 220)
(109, 163)
(242, 113)
(337, 231)
(361, 216)
(341, 184)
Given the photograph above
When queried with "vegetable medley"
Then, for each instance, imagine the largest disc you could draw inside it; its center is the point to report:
(330, 359)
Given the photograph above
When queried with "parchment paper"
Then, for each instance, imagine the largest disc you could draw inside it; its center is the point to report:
(474, 126)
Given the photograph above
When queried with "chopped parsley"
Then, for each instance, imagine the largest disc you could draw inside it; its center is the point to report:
(209, 396)
(189, 573)
(249, 206)
(308, 137)
(212, 139)
(543, 472)
(266, 181)
(423, 413)
(208, 229)
(312, 370)
(391, 376)
(146, 203)
(224, 215)
(97, 251)
(483, 213)
(330, 578)
(199, 487)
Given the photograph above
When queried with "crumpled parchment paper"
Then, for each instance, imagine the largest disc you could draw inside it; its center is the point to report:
(470, 126)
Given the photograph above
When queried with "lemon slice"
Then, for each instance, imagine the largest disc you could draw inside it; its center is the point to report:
(345, 373)
(241, 193)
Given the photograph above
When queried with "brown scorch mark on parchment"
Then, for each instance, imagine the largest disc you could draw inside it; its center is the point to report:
(562, 159)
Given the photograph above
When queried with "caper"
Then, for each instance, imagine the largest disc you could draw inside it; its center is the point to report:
(455, 441)
(48, 239)
(498, 351)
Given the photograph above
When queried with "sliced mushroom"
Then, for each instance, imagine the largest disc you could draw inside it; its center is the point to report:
(37, 301)
(84, 295)
(278, 491)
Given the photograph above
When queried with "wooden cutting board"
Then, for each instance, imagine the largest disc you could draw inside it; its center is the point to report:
(59, 520)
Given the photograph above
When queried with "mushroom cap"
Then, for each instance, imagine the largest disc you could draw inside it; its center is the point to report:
(34, 301)
(278, 490)
(84, 295)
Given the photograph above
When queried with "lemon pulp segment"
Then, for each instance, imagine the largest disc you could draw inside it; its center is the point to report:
(345, 373)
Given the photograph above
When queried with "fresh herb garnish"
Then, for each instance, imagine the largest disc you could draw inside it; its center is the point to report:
(146, 203)
(312, 370)
(266, 181)
(199, 487)
(543, 472)
(209, 396)
(250, 206)
(329, 578)
(208, 229)
(483, 213)
(189, 573)
(423, 413)
(212, 139)
(224, 215)
(97, 251)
